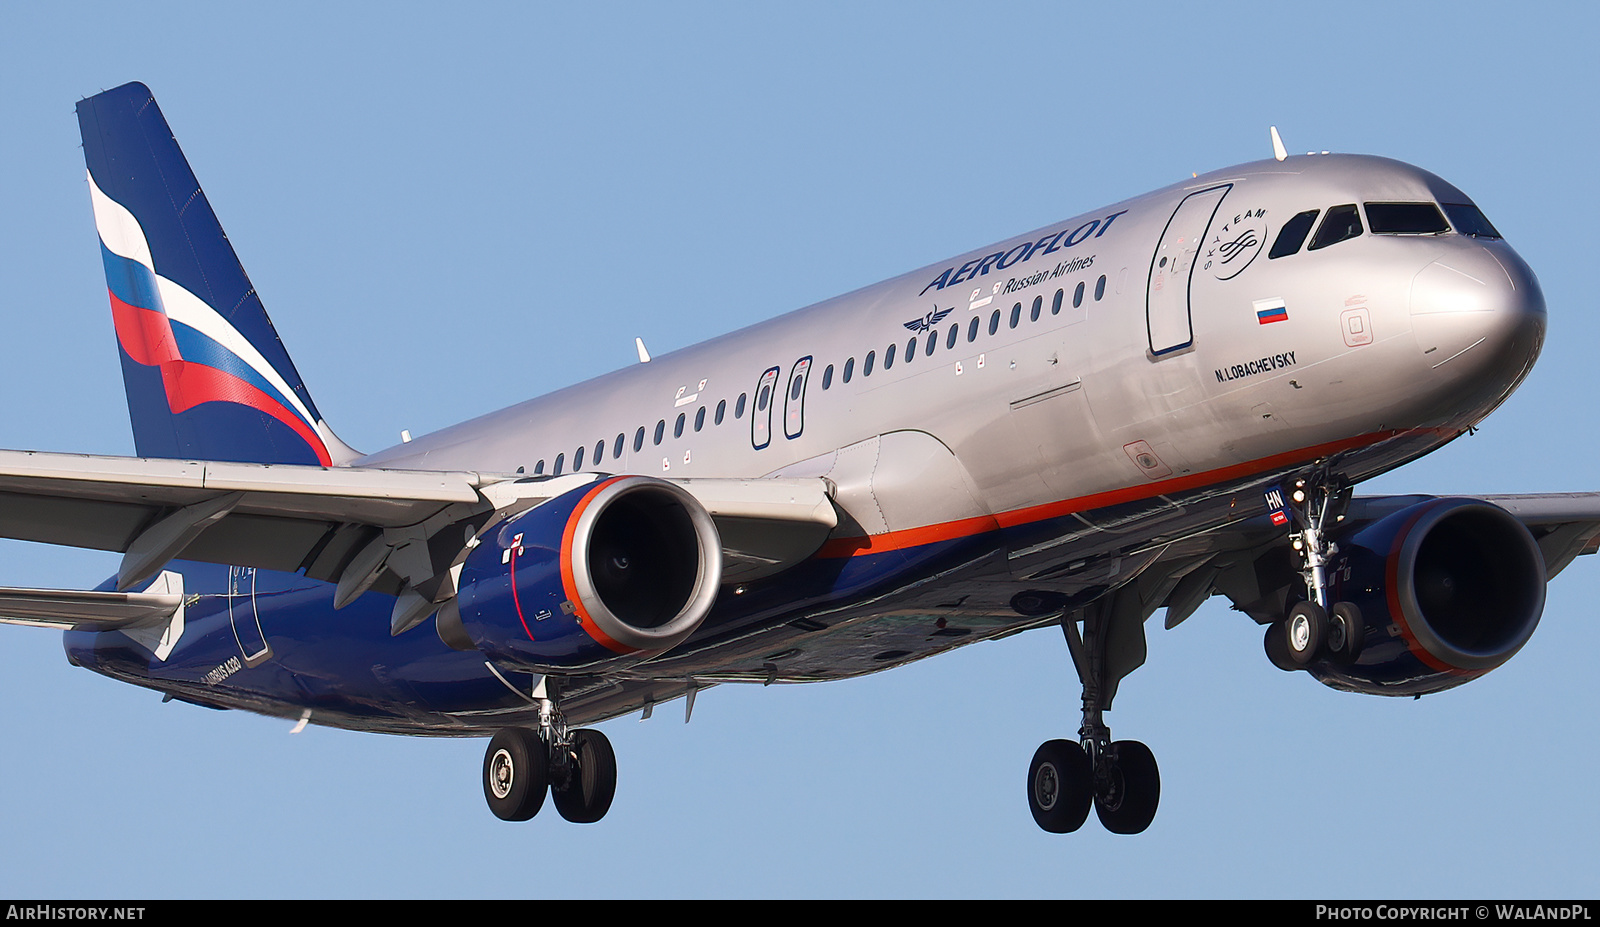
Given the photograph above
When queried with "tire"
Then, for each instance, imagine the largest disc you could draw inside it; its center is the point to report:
(1276, 642)
(1304, 631)
(516, 774)
(586, 795)
(1126, 800)
(1347, 632)
(1060, 786)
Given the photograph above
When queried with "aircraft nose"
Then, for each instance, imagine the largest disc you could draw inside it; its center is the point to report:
(1480, 314)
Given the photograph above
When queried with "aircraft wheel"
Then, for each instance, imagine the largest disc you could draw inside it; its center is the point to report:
(516, 774)
(1305, 630)
(592, 782)
(1346, 632)
(1060, 786)
(1276, 642)
(1127, 796)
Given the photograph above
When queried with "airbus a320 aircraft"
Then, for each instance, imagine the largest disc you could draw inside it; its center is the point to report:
(1156, 401)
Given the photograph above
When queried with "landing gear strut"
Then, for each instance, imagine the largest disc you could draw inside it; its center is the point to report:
(577, 768)
(1118, 778)
(1317, 628)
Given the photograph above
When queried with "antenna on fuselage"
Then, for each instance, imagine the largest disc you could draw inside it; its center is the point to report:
(1278, 151)
(644, 356)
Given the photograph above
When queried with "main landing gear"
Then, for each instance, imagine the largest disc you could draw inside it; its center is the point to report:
(1317, 628)
(577, 768)
(1118, 778)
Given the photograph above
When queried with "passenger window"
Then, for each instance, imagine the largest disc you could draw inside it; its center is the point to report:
(722, 407)
(1038, 305)
(827, 376)
(933, 341)
(700, 418)
(1055, 304)
(955, 329)
(1100, 288)
(599, 451)
(849, 369)
(972, 330)
(616, 449)
(1405, 219)
(1016, 314)
(1077, 296)
(1469, 220)
(1293, 234)
(994, 322)
(866, 365)
(762, 398)
(661, 430)
(638, 439)
(577, 460)
(911, 349)
(677, 426)
(1341, 223)
(538, 468)
(738, 407)
(561, 460)
(888, 357)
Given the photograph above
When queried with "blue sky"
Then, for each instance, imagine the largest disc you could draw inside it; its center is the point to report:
(446, 212)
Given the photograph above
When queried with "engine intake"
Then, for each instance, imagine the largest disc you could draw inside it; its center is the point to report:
(605, 575)
(1449, 589)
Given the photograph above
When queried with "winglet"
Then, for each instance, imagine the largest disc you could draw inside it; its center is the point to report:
(1278, 151)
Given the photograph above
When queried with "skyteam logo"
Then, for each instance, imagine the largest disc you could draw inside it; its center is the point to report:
(201, 356)
(1233, 247)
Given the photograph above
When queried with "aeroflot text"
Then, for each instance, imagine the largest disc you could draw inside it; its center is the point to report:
(1000, 260)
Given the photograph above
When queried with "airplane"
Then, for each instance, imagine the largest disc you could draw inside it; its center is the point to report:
(1160, 400)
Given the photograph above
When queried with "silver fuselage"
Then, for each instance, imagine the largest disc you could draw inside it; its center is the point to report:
(1163, 376)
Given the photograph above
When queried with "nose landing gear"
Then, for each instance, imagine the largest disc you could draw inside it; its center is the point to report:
(1318, 628)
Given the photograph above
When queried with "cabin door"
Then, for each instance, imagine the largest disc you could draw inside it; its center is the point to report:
(1172, 271)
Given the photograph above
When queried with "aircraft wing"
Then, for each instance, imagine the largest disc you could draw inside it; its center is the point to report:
(339, 524)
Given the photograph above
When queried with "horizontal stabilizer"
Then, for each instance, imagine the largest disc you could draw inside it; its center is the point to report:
(71, 609)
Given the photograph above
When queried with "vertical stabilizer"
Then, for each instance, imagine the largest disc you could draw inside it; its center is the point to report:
(206, 376)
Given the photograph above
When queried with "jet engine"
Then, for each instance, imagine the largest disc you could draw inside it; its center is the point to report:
(1448, 589)
(603, 576)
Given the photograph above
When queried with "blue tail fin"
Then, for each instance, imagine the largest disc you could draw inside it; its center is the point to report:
(206, 376)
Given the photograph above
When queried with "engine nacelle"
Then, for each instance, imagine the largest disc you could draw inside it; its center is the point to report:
(606, 575)
(1448, 590)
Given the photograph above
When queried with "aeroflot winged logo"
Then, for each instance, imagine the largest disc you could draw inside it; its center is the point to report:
(1018, 254)
(202, 358)
(934, 317)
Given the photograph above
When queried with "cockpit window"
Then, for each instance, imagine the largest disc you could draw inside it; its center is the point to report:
(1342, 222)
(1405, 219)
(1469, 220)
(1293, 234)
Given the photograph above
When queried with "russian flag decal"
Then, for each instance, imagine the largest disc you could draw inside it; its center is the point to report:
(1271, 310)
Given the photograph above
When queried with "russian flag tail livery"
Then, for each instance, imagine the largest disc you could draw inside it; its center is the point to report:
(206, 376)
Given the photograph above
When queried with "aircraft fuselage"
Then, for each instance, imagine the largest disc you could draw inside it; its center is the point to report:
(1029, 415)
